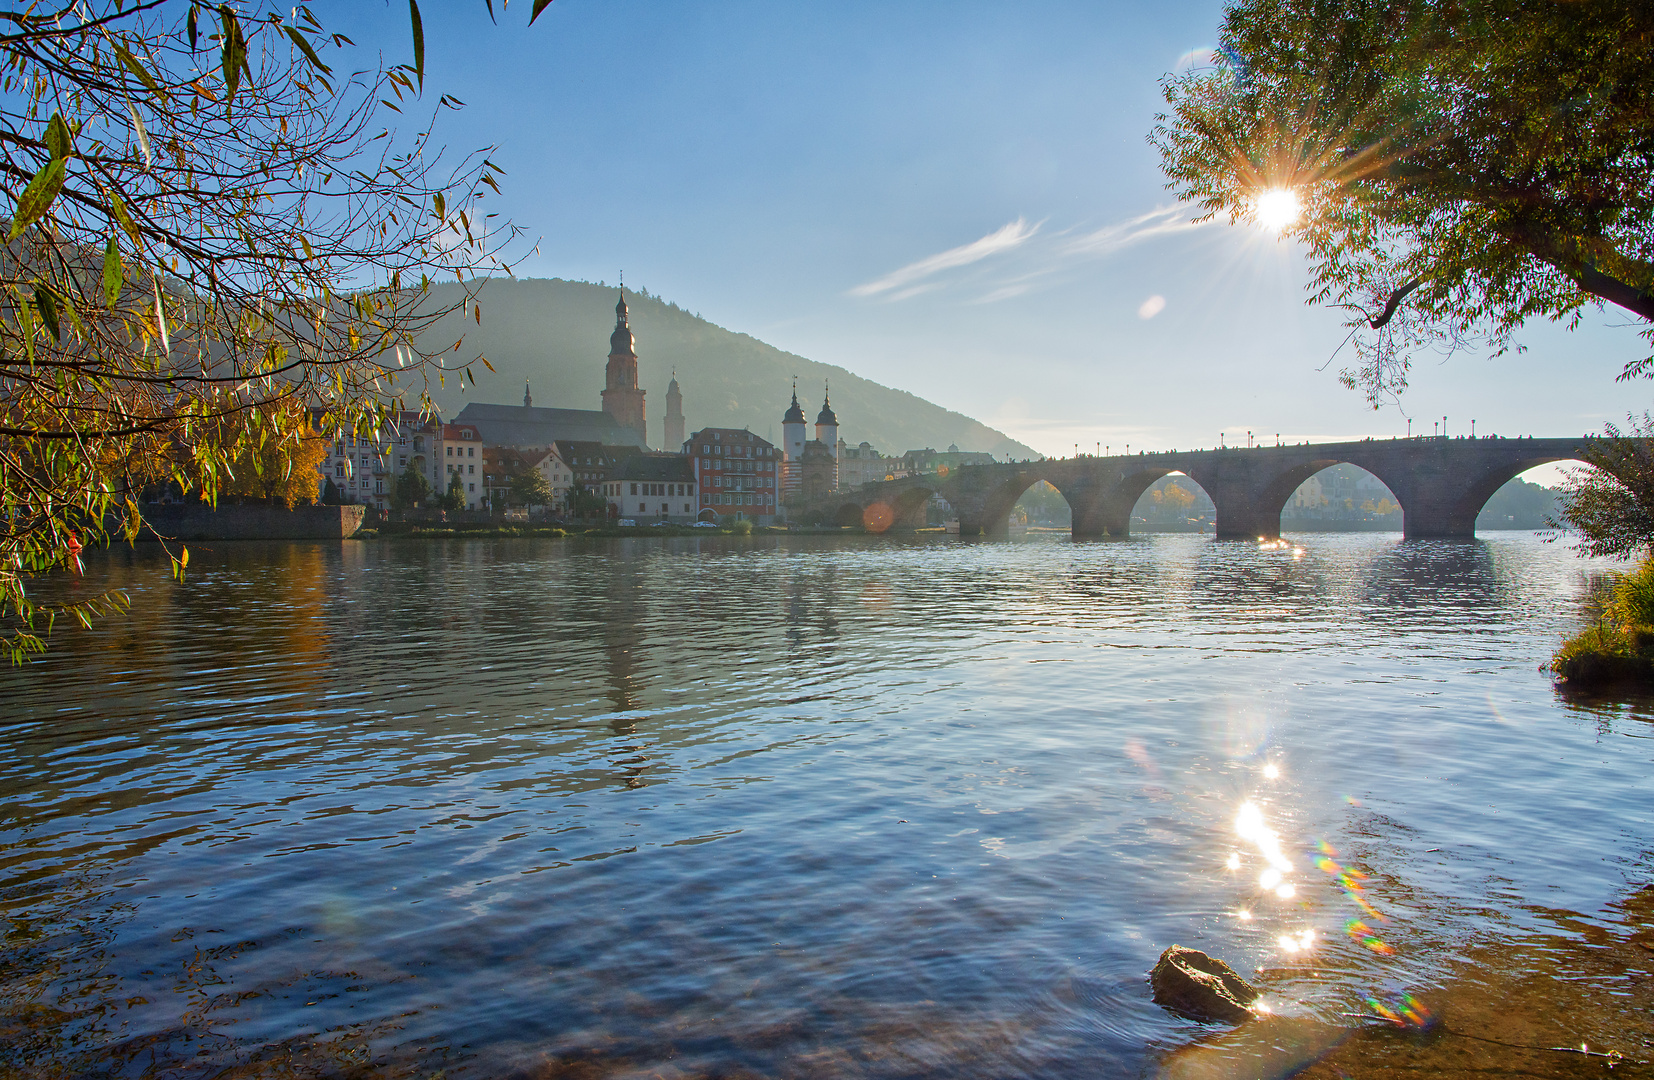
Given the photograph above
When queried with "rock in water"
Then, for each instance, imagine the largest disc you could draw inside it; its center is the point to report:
(1200, 987)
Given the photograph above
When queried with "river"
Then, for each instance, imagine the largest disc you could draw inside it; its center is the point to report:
(783, 806)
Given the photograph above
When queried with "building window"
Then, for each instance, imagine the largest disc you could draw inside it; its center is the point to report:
(339, 468)
(473, 470)
(471, 487)
(641, 508)
(473, 449)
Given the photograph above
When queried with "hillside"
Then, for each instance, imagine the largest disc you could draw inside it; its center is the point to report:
(555, 335)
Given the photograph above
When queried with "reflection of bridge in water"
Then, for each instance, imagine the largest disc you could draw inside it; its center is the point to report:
(1440, 483)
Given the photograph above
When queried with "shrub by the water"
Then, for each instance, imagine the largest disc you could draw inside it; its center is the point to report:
(1619, 647)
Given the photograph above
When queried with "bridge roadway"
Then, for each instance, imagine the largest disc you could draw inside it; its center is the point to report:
(1441, 484)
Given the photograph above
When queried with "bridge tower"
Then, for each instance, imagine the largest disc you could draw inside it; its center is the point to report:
(792, 447)
(827, 434)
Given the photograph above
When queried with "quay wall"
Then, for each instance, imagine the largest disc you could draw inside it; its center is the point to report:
(250, 522)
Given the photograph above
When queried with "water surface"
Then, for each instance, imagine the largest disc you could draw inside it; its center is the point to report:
(788, 807)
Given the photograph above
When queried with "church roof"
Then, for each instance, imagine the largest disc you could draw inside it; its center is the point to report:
(521, 425)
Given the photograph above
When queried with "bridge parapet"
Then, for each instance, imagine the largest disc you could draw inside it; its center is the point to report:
(1441, 485)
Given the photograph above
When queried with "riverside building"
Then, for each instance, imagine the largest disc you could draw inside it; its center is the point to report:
(737, 474)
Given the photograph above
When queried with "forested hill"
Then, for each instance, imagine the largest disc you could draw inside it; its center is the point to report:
(555, 335)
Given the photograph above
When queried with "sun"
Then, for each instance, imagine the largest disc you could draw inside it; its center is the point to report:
(1278, 208)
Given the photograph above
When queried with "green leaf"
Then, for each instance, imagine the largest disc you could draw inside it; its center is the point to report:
(37, 197)
(57, 137)
(441, 207)
(111, 272)
(418, 42)
(539, 6)
(118, 210)
(47, 303)
(233, 56)
(309, 53)
(189, 26)
(132, 65)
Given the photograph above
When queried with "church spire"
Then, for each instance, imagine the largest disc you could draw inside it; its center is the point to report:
(528, 398)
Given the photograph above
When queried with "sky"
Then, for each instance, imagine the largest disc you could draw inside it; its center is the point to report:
(956, 199)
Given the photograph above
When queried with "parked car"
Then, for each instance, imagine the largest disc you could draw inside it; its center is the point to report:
(658, 524)
(705, 525)
(626, 522)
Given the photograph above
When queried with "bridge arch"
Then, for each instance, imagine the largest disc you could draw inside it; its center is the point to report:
(985, 508)
(1169, 501)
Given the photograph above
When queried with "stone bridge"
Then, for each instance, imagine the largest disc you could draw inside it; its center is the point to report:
(1441, 484)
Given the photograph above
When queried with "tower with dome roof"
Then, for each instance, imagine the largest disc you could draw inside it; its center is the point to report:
(622, 399)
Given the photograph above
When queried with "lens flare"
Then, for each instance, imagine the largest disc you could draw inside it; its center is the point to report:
(1278, 208)
(1233, 862)
(1271, 772)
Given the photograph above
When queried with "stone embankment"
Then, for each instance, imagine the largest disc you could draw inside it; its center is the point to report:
(194, 522)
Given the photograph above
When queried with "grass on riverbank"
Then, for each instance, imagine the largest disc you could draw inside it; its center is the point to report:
(1619, 647)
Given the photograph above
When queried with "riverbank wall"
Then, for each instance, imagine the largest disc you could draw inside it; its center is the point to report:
(193, 522)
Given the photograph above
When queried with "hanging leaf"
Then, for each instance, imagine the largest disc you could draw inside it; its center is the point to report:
(539, 6)
(111, 273)
(117, 209)
(37, 197)
(418, 42)
(441, 207)
(131, 64)
(47, 303)
(189, 26)
(233, 55)
(143, 136)
(57, 137)
(309, 53)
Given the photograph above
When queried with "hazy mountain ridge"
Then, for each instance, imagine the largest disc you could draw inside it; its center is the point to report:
(555, 335)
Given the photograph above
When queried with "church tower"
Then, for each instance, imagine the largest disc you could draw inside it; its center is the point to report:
(792, 446)
(621, 397)
(674, 416)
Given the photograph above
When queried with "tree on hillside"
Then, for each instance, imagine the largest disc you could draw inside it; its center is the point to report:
(207, 219)
(1461, 167)
(410, 490)
(531, 489)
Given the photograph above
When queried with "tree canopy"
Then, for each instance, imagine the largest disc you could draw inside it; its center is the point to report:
(1610, 506)
(530, 488)
(215, 245)
(1461, 166)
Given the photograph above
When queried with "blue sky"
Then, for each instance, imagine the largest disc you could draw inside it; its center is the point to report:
(955, 199)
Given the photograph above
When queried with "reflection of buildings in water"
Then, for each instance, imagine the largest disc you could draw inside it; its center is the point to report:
(812, 606)
(622, 618)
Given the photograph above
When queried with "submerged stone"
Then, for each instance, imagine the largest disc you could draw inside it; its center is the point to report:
(1200, 987)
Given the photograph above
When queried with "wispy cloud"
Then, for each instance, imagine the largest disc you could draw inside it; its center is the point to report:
(907, 278)
(1111, 238)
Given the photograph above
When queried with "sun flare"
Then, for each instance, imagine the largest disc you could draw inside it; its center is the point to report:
(1278, 208)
